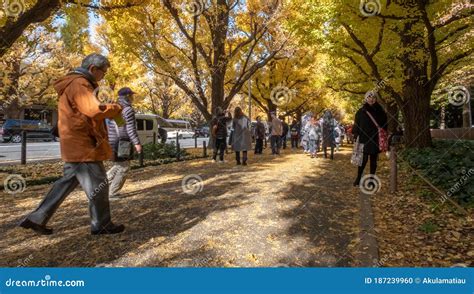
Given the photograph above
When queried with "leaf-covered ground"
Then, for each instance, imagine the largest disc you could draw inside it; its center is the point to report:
(278, 211)
(415, 228)
(288, 210)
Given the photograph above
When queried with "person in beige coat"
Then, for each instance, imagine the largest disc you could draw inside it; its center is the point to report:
(276, 133)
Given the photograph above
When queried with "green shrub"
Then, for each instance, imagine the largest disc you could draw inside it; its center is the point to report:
(161, 151)
(449, 165)
(429, 227)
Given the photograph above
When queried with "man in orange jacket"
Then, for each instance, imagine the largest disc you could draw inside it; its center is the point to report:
(84, 147)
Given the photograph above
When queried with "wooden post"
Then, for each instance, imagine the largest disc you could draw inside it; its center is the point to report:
(393, 169)
(178, 152)
(204, 149)
(23, 147)
(154, 138)
(196, 142)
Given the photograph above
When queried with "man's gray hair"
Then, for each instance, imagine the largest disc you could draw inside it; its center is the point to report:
(96, 60)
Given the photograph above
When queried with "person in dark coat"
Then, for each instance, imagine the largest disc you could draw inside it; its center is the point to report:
(366, 131)
(328, 131)
(294, 132)
(285, 132)
(259, 136)
(219, 133)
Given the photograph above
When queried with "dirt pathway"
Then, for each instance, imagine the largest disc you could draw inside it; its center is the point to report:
(289, 210)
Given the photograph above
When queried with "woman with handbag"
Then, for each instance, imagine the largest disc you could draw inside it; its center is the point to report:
(123, 138)
(370, 127)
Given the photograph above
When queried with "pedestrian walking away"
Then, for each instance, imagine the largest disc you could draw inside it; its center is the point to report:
(285, 130)
(242, 137)
(276, 132)
(328, 131)
(259, 135)
(219, 133)
(294, 133)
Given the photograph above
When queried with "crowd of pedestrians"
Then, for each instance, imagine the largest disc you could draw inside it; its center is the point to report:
(92, 132)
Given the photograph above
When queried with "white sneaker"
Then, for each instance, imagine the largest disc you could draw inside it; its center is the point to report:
(213, 161)
(221, 161)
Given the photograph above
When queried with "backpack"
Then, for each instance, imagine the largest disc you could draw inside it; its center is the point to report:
(294, 131)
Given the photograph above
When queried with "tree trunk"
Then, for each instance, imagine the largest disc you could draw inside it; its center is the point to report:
(392, 115)
(416, 114)
(13, 29)
(416, 88)
(271, 108)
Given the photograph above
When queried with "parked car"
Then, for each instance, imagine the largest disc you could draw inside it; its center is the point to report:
(180, 128)
(11, 130)
(149, 126)
(201, 132)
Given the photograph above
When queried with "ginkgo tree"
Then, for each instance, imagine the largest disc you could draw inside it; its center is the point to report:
(30, 69)
(209, 50)
(17, 16)
(407, 45)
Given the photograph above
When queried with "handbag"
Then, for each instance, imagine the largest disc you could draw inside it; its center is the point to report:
(383, 135)
(124, 148)
(357, 153)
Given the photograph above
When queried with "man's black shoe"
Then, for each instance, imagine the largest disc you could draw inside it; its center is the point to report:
(109, 230)
(43, 230)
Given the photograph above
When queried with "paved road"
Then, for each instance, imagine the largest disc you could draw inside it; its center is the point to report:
(37, 151)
